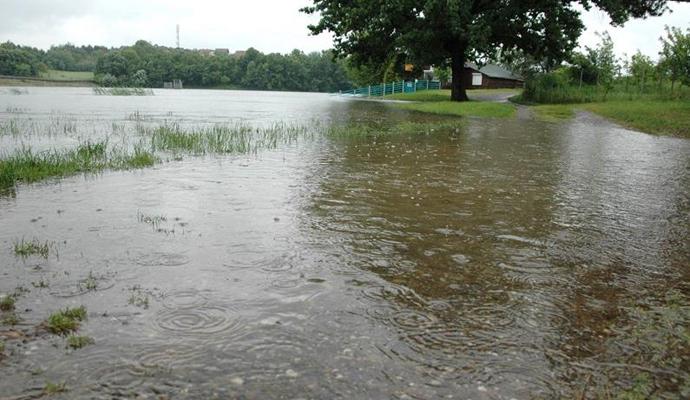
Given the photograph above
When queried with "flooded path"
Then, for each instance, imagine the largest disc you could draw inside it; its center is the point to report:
(498, 259)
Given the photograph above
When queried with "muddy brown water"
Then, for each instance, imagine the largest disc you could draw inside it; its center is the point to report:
(502, 259)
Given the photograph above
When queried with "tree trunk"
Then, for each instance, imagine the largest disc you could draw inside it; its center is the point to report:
(458, 67)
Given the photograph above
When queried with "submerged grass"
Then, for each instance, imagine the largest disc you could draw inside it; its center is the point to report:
(153, 220)
(7, 303)
(122, 91)
(54, 388)
(365, 130)
(10, 319)
(24, 249)
(220, 139)
(66, 321)
(26, 166)
(77, 342)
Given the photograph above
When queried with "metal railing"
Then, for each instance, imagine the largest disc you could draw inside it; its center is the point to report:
(385, 89)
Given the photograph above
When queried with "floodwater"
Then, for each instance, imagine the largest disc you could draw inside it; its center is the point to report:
(501, 259)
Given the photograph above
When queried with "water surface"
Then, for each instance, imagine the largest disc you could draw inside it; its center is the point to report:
(497, 259)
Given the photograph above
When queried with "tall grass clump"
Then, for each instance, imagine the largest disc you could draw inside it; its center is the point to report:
(66, 321)
(24, 248)
(28, 166)
(9, 127)
(7, 303)
(238, 138)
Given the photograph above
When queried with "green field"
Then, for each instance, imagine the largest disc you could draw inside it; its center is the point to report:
(67, 75)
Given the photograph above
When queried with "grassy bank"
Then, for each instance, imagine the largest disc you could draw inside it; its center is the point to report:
(43, 82)
(51, 78)
(56, 75)
(661, 117)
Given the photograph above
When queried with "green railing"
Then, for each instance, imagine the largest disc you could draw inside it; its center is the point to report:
(385, 89)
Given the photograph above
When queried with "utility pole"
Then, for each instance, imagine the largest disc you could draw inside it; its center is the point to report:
(178, 36)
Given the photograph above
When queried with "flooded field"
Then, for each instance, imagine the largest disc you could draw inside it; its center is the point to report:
(446, 258)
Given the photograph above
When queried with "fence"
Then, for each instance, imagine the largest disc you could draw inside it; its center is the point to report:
(385, 89)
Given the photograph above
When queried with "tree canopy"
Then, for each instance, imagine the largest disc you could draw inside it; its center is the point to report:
(443, 32)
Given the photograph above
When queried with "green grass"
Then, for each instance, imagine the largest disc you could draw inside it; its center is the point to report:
(67, 75)
(661, 117)
(66, 321)
(653, 116)
(26, 249)
(77, 342)
(7, 303)
(25, 166)
(484, 109)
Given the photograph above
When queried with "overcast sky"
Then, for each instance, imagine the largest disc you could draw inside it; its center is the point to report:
(268, 25)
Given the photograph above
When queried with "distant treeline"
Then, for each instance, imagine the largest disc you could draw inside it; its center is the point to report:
(147, 65)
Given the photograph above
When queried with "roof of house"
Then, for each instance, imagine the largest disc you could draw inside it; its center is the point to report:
(493, 71)
(496, 71)
(471, 65)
